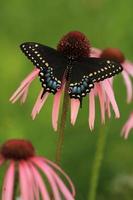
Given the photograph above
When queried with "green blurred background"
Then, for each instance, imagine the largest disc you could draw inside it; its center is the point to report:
(107, 23)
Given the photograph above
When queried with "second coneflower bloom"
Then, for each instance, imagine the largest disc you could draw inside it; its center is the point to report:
(116, 55)
(70, 62)
(31, 177)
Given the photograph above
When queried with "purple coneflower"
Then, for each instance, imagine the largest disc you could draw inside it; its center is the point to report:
(116, 54)
(127, 127)
(31, 170)
(71, 62)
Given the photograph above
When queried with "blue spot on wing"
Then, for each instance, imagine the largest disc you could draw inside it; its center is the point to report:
(49, 82)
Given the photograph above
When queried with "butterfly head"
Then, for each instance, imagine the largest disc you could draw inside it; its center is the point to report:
(74, 45)
(113, 54)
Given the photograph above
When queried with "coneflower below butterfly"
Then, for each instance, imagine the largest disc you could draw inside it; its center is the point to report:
(70, 61)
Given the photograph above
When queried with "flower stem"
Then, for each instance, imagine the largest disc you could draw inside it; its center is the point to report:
(101, 143)
(62, 123)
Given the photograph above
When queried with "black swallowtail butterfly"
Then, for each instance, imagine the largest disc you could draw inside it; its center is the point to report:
(82, 72)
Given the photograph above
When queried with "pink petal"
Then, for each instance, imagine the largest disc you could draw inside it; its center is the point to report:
(75, 104)
(21, 94)
(91, 110)
(31, 76)
(111, 80)
(24, 186)
(40, 183)
(52, 182)
(22, 90)
(108, 107)
(95, 52)
(61, 171)
(8, 186)
(125, 131)
(101, 100)
(61, 185)
(24, 96)
(56, 107)
(30, 180)
(39, 103)
(128, 84)
(109, 91)
(127, 126)
(128, 67)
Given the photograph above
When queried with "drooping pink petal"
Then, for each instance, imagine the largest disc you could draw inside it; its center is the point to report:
(108, 106)
(30, 180)
(75, 104)
(40, 183)
(52, 182)
(111, 80)
(127, 127)
(39, 103)
(8, 185)
(101, 100)
(109, 92)
(25, 94)
(128, 84)
(42, 101)
(24, 186)
(66, 193)
(21, 94)
(125, 131)
(128, 67)
(91, 118)
(31, 76)
(22, 90)
(56, 107)
(56, 167)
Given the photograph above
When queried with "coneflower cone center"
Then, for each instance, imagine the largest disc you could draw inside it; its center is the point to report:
(114, 54)
(17, 149)
(74, 45)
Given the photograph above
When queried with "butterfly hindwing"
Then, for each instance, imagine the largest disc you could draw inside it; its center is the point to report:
(51, 63)
(88, 71)
(80, 84)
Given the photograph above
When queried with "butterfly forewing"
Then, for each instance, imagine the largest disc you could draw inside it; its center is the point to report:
(88, 71)
(51, 63)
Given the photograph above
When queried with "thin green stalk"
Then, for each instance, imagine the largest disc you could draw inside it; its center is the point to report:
(101, 143)
(62, 123)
